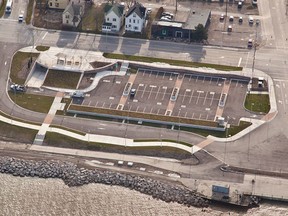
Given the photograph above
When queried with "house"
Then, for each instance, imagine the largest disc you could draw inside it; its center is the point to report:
(183, 30)
(58, 4)
(114, 17)
(72, 14)
(135, 18)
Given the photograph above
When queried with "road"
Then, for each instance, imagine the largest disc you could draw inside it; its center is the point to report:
(265, 148)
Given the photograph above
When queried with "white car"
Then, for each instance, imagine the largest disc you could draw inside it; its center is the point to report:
(254, 2)
(251, 20)
(231, 18)
(21, 18)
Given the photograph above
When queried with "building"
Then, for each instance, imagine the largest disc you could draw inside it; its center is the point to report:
(135, 18)
(72, 14)
(183, 30)
(114, 18)
(58, 4)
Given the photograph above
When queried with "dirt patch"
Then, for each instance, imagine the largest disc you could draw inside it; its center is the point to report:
(86, 81)
(49, 19)
(97, 64)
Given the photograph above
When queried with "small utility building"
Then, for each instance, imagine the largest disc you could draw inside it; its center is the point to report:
(181, 29)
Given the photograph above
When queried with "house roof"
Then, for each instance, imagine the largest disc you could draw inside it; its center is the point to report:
(116, 8)
(73, 9)
(197, 17)
(138, 8)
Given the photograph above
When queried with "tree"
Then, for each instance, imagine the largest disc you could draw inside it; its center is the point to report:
(201, 33)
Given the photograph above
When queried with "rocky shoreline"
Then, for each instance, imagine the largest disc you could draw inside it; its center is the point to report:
(74, 176)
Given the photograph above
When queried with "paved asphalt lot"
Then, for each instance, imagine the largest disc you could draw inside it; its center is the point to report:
(198, 96)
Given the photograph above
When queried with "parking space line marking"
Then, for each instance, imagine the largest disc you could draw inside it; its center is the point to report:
(135, 100)
(103, 104)
(207, 109)
(157, 74)
(207, 117)
(188, 90)
(143, 91)
(137, 108)
(89, 103)
(151, 110)
(141, 85)
(163, 75)
(200, 116)
(190, 78)
(110, 105)
(150, 73)
(192, 115)
(191, 96)
(106, 81)
(183, 97)
(205, 98)
(203, 79)
(196, 79)
(144, 109)
(111, 98)
(157, 92)
(152, 87)
(198, 96)
(96, 104)
(159, 103)
(183, 106)
(240, 60)
(185, 115)
(158, 111)
(210, 80)
(118, 82)
(164, 92)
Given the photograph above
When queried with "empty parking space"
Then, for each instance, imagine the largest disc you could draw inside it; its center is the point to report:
(107, 94)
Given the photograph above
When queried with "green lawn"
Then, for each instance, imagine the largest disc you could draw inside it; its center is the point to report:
(37, 103)
(2, 8)
(170, 61)
(93, 18)
(17, 133)
(42, 48)
(29, 12)
(257, 103)
(62, 79)
(18, 64)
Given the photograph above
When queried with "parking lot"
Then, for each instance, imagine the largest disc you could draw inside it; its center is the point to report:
(197, 97)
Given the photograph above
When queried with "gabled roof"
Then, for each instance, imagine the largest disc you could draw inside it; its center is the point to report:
(73, 9)
(116, 8)
(138, 8)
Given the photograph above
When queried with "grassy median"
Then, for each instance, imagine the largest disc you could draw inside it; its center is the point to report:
(62, 79)
(171, 62)
(37, 103)
(257, 103)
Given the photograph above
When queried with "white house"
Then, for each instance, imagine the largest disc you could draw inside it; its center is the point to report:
(114, 18)
(135, 18)
(72, 14)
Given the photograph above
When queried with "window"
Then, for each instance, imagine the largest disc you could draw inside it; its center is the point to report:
(107, 19)
(133, 21)
(164, 32)
(138, 21)
(136, 28)
(67, 21)
(114, 19)
(134, 15)
(67, 16)
(114, 26)
(129, 25)
(129, 20)
(50, 4)
(56, 4)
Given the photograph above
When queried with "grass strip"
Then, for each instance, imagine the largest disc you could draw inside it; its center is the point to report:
(143, 115)
(62, 79)
(37, 103)
(19, 62)
(42, 48)
(171, 62)
(29, 12)
(257, 103)
(18, 119)
(59, 140)
(2, 8)
(17, 133)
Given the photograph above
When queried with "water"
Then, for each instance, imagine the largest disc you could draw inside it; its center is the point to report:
(34, 196)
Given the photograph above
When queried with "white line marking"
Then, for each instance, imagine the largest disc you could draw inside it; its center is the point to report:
(111, 98)
(44, 35)
(5, 63)
(239, 63)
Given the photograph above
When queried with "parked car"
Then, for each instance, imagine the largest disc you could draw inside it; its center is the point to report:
(250, 43)
(21, 18)
(229, 28)
(240, 19)
(17, 88)
(77, 94)
(222, 17)
(231, 18)
(168, 14)
(132, 92)
(257, 21)
(254, 2)
(251, 20)
(240, 4)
